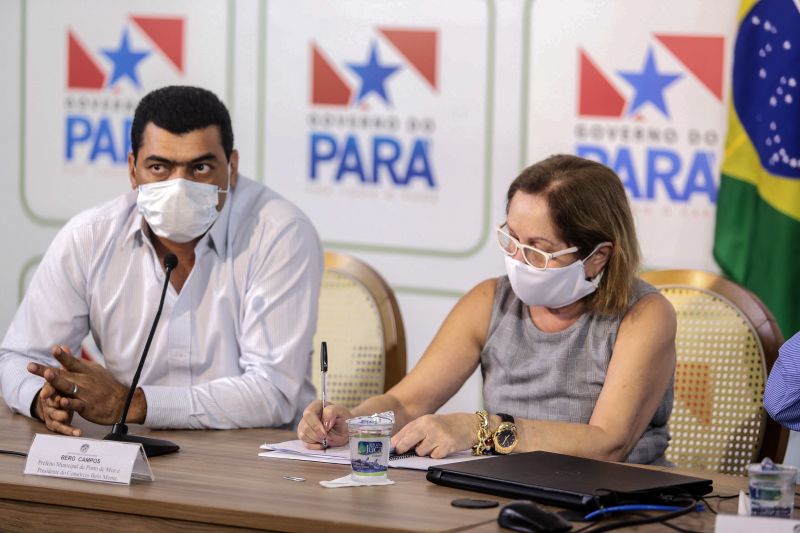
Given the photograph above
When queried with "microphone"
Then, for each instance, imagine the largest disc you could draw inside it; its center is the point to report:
(119, 432)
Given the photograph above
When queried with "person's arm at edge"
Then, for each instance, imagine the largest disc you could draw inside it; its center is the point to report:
(59, 280)
(782, 393)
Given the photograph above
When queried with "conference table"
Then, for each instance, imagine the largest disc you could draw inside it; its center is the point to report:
(217, 482)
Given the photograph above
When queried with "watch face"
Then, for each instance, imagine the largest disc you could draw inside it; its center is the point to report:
(506, 438)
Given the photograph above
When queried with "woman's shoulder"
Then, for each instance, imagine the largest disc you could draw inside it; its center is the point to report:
(650, 307)
(488, 301)
(641, 289)
(482, 294)
(473, 312)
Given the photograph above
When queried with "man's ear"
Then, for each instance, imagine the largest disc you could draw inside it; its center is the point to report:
(131, 169)
(234, 163)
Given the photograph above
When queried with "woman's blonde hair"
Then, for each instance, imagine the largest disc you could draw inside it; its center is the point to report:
(588, 206)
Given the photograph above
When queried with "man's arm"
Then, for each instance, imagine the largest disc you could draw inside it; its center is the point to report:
(54, 310)
(276, 330)
(782, 395)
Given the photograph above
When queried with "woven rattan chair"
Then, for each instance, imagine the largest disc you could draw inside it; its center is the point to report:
(727, 342)
(360, 321)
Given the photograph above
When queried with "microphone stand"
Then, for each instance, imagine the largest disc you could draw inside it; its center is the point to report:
(119, 432)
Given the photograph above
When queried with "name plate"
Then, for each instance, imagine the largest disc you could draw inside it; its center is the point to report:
(731, 523)
(87, 459)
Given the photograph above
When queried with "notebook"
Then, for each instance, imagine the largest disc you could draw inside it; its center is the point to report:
(294, 449)
(565, 481)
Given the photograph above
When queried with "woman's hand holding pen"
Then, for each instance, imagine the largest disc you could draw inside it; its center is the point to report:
(318, 424)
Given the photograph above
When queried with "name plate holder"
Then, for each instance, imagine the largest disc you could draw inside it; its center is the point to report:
(87, 459)
(731, 523)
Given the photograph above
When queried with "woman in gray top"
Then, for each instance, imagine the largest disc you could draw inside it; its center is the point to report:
(577, 354)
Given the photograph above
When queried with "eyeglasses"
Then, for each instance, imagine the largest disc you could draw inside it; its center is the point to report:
(533, 256)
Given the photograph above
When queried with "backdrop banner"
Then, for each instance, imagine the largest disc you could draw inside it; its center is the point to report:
(640, 87)
(396, 125)
(86, 66)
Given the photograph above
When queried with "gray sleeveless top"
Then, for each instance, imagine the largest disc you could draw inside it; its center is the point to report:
(558, 376)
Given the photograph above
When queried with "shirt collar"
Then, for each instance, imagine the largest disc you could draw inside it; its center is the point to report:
(218, 233)
(137, 225)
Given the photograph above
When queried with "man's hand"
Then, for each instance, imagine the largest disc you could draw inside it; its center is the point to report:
(48, 409)
(87, 388)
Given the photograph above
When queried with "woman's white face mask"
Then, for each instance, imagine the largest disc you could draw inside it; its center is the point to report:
(179, 209)
(551, 287)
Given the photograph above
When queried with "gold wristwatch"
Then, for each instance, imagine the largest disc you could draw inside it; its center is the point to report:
(505, 438)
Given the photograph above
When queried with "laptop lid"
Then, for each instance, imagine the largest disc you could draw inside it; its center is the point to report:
(565, 480)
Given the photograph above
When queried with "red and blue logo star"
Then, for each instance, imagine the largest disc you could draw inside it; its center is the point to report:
(599, 94)
(85, 67)
(417, 48)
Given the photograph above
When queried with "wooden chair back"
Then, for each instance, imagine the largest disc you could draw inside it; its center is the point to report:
(360, 321)
(727, 342)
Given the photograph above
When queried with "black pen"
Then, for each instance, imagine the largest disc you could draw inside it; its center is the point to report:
(323, 363)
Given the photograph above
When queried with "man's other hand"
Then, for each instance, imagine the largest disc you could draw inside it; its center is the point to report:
(49, 410)
(88, 389)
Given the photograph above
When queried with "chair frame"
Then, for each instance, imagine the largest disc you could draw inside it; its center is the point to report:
(394, 338)
(775, 437)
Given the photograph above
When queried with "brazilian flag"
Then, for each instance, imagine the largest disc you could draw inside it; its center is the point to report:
(757, 235)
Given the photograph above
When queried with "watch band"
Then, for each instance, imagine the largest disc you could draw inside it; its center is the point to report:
(505, 418)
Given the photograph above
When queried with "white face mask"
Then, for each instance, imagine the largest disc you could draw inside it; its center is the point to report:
(179, 209)
(552, 287)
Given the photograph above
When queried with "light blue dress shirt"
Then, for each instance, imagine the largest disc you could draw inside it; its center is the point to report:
(233, 349)
(782, 395)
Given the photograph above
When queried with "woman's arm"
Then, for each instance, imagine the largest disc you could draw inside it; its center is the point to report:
(448, 362)
(641, 367)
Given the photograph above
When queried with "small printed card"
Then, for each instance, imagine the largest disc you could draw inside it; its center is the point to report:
(87, 459)
(731, 523)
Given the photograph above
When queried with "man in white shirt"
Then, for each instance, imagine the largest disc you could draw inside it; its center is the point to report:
(233, 347)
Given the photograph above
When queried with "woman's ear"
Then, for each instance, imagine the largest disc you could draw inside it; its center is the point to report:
(599, 259)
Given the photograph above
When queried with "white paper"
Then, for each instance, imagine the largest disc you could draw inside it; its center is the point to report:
(744, 504)
(279, 454)
(294, 449)
(731, 523)
(87, 459)
(347, 481)
(416, 462)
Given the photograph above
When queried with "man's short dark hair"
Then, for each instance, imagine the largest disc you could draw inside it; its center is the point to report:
(181, 109)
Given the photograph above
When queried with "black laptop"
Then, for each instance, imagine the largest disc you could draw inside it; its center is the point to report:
(567, 481)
